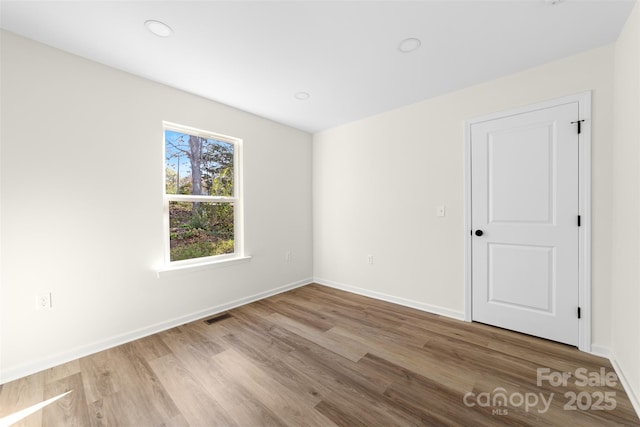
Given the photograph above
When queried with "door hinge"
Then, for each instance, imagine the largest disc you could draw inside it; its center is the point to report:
(579, 122)
(579, 314)
(578, 220)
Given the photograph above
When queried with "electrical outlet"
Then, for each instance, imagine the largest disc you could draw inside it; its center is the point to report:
(370, 259)
(43, 301)
(288, 256)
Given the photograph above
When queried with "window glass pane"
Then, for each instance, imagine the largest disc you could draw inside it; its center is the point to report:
(198, 165)
(200, 229)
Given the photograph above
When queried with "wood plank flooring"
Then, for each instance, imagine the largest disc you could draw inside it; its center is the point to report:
(316, 356)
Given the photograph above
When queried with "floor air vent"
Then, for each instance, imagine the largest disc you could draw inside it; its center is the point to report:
(219, 317)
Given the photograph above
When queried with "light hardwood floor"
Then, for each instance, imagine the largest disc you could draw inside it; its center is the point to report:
(316, 356)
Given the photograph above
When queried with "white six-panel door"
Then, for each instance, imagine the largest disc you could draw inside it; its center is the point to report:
(524, 197)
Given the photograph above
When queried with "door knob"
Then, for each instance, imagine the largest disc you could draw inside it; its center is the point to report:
(479, 233)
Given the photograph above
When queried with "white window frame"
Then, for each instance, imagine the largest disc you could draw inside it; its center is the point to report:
(236, 200)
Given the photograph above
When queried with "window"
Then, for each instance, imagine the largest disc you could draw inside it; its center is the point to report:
(202, 201)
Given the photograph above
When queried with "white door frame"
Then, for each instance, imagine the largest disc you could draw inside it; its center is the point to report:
(584, 194)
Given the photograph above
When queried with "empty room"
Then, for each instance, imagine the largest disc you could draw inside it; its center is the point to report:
(320, 213)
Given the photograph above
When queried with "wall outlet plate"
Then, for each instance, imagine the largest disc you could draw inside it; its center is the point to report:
(43, 301)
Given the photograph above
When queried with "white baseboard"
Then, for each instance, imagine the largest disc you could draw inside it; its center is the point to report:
(598, 350)
(16, 372)
(633, 397)
(459, 315)
(605, 352)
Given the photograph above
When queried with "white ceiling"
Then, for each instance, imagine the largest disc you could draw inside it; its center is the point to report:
(256, 55)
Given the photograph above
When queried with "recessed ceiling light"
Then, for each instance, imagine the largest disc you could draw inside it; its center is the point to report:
(302, 96)
(409, 45)
(158, 28)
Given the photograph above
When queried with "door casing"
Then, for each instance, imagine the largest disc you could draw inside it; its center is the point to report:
(584, 206)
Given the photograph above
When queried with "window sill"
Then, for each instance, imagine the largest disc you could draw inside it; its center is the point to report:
(189, 268)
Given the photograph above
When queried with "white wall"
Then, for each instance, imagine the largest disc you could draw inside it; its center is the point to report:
(82, 207)
(626, 204)
(377, 183)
